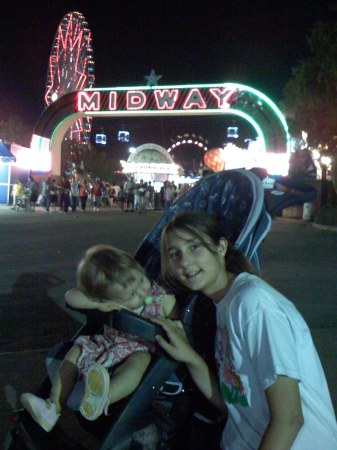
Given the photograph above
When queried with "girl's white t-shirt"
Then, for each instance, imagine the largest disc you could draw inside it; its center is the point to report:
(260, 334)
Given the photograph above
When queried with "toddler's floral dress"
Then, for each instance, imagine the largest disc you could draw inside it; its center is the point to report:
(112, 347)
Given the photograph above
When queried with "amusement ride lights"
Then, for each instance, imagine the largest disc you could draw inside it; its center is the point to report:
(71, 66)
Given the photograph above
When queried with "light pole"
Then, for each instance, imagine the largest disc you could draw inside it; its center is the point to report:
(325, 163)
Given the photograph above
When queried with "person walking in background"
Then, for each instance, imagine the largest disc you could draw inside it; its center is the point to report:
(116, 187)
(162, 195)
(33, 186)
(142, 197)
(112, 195)
(53, 195)
(136, 195)
(65, 193)
(74, 193)
(17, 191)
(96, 193)
(121, 197)
(182, 189)
(149, 196)
(105, 194)
(129, 189)
(168, 195)
(83, 192)
(45, 192)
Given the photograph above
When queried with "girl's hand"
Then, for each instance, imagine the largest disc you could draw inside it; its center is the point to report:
(180, 349)
(110, 305)
(177, 344)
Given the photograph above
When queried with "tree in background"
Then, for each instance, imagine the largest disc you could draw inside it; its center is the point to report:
(15, 131)
(311, 94)
(87, 161)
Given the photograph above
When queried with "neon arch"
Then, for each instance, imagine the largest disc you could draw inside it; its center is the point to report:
(148, 101)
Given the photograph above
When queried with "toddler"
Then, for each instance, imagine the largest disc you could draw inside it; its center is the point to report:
(107, 279)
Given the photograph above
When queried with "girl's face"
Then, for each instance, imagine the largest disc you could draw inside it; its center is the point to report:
(134, 294)
(195, 266)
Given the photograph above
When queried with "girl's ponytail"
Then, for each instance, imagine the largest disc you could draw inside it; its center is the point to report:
(237, 262)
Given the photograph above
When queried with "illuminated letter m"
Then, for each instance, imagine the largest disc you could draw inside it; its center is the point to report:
(88, 101)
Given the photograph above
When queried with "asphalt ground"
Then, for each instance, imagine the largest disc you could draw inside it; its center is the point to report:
(38, 258)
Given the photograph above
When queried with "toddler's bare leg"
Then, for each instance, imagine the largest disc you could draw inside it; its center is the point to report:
(127, 376)
(65, 379)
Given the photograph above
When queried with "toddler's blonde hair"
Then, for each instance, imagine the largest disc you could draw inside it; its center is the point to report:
(102, 265)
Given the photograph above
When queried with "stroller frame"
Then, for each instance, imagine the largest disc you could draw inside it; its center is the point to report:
(23, 201)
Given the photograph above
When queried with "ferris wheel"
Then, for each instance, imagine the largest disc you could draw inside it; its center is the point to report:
(71, 66)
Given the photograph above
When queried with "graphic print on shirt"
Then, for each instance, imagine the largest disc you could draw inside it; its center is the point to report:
(230, 383)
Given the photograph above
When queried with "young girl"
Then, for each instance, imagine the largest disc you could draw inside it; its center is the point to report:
(269, 374)
(107, 279)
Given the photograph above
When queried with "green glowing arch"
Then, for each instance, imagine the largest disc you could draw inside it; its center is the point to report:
(243, 101)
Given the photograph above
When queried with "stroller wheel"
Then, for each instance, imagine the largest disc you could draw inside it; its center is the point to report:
(13, 442)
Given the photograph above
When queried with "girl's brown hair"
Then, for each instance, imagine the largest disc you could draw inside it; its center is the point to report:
(207, 229)
(102, 265)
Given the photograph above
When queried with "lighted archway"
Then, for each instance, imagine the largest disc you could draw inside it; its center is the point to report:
(150, 158)
(187, 100)
(193, 140)
(160, 153)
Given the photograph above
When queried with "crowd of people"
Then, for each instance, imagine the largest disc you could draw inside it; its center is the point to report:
(73, 194)
(140, 196)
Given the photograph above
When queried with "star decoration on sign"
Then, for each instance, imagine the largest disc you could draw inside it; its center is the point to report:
(152, 79)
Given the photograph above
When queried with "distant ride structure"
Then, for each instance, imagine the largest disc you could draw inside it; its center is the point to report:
(194, 145)
(71, 68)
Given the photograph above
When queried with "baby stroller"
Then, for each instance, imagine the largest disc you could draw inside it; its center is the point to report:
(23, 201)
(160, 412)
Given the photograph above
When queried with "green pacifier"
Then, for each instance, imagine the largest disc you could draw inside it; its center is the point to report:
(148, 300)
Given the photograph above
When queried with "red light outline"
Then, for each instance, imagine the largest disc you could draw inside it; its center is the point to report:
(88, 97)
(159, 94)
(223, 95)
(194, 104)
(133, 94)
(112, 101)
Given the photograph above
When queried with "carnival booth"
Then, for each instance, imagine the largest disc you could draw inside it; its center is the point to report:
(151, 163)
(17, 164)
(6, 161)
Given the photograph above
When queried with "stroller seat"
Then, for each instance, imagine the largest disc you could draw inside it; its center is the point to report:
(236, 197)
(23, 201)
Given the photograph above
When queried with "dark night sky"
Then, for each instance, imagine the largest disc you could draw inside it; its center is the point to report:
(253, 42)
